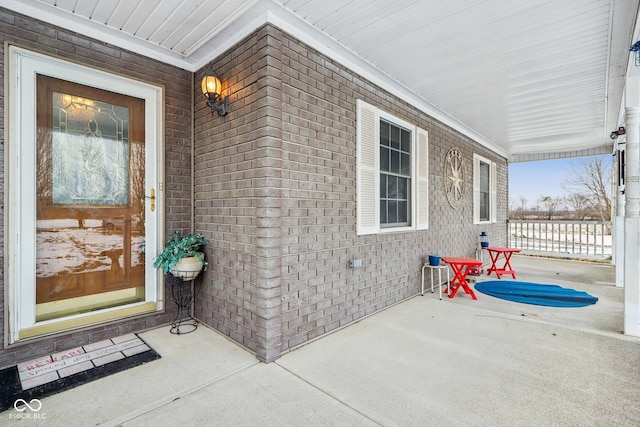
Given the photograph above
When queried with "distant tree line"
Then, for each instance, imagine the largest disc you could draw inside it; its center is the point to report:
(588, 196)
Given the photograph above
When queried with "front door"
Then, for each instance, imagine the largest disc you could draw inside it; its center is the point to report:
(90, 194)
(84, 199)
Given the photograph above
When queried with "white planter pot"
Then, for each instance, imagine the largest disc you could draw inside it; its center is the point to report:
(188, 268)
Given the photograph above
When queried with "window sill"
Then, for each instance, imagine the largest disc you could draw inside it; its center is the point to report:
(396, 230)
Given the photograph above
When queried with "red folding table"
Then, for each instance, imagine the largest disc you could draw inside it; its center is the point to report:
(460, 267)
(494, 254)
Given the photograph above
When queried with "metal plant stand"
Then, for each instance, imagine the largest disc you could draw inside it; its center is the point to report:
(182, 291)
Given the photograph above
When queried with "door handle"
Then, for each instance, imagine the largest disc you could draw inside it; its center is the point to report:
(153, 199)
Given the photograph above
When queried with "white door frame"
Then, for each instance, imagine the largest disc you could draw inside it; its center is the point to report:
(20, 189)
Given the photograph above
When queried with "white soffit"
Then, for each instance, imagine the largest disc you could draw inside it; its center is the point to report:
(522, 77)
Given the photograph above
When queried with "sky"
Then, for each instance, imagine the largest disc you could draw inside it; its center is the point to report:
(543, 178)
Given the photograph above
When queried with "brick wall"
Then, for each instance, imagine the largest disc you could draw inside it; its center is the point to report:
(32, 34)
(238, 193)
(276, 194)
(274, 191)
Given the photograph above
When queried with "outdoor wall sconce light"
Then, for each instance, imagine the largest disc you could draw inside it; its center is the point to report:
(635, 48)
(211, 89)
(616, 133)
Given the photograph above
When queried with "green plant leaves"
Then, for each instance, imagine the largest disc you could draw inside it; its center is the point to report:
(179, 247)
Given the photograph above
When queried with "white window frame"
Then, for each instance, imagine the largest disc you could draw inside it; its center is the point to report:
(368, 172)
(493, 201)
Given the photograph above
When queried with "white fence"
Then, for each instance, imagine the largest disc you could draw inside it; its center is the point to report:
(569, 239)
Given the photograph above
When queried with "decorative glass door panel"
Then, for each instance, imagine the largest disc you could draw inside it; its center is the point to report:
(90, 183)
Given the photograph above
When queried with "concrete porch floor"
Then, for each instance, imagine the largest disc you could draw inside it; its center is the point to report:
(423, 362)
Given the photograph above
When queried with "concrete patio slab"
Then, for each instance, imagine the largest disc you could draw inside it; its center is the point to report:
(429, 362)
(597, 279)
(425, 361)
(187, 363)
(261, 395)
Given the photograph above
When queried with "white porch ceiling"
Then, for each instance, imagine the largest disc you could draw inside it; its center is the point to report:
(531, 79)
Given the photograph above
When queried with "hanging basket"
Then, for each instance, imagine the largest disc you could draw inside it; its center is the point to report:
(188, 268)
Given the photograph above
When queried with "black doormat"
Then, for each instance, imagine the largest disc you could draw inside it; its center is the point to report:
(12, 392)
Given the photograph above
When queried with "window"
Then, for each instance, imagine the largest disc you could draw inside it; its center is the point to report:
(395, 175)
(392, 173)
(484, 190)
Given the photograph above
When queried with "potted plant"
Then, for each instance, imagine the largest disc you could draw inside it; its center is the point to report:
(182, 257)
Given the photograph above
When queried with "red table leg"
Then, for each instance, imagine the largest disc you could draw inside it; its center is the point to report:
(460, 272)
(494, 258)
(506, 268)
(507, 264)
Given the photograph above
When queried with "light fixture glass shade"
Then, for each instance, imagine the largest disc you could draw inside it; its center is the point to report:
(211, 86)
(212, 89)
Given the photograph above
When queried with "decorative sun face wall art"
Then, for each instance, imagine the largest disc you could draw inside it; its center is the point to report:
(454, 176)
